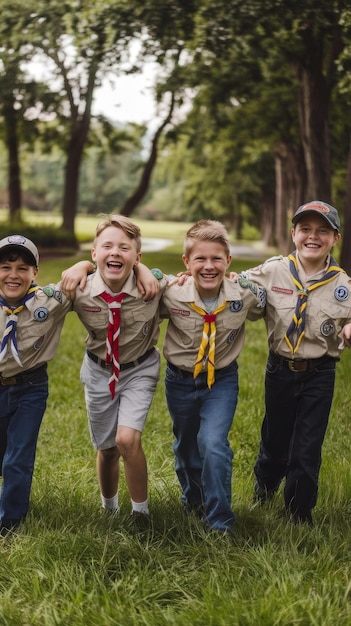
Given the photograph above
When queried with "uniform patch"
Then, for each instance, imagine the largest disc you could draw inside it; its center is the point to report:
(258, 291)
(38, 344)
(51, 292)
(92, 309)
(180, 312)
(146, 328)
(328, 328)
(233, 335)
(41, 314)
(288, 292)
(236, 306)
(341, 293)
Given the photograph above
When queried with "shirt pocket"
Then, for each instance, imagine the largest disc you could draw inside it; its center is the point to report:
(186, 330)
(137, 325)
(335, 311)
(95, 322)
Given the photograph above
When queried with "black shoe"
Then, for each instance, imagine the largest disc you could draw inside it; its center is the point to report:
(8, 528)
(196, 509)
(262, 494)
(299, 518)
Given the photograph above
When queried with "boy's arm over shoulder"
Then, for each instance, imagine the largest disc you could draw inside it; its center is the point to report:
(75, 276)
(258, 299)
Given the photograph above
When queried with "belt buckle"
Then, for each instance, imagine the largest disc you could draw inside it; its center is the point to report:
(298, 366)
(8, 381)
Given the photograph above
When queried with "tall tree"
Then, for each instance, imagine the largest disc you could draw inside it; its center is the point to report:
(85, 40)
(19, 97)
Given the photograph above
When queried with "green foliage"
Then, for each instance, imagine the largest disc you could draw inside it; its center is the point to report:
(72, 564)
(47, 237)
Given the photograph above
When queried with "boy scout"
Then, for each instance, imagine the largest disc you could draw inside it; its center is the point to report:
(121, 366)
(31, 320)
(308, 305)
(204, 337)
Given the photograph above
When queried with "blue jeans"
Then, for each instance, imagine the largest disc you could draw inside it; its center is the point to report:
(22, 407)
(202, 418)
(296, 418)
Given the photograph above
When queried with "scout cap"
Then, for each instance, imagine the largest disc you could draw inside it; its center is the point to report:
(323, 209)
(18, 243)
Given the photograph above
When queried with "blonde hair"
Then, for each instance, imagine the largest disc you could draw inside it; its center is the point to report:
(206, 230)
(124, 223)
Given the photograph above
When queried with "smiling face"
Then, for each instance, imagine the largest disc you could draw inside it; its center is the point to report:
(115, 255)
(314, 239)
(15, 279)
(207, 262)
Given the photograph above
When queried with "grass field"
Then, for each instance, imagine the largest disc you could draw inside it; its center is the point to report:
(71, 564)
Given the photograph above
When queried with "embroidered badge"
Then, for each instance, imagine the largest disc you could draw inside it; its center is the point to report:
(39, 342)
(146, 328)
(233, 335)
(41, 314)
(92, 309)
(341, 293)
(51, 292)
(328, 328)
(257, 291)
(282, 290)
(236, 306)
(180, 312)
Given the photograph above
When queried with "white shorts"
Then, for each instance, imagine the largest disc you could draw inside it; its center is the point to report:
(134, 393)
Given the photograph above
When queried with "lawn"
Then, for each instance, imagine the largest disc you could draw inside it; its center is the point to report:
(74, 565)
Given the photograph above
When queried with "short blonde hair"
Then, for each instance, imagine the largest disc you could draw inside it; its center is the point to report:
(206, 230)
(124, 223)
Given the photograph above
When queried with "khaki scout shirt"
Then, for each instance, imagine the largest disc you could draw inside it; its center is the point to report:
(328, 309)
(139, 320)
(185, 326)
(39, 326)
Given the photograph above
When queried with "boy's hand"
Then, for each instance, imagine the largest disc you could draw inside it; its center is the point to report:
(75, 276)
(233, 275)
(181, 278)
(346, 335)
(147, 283)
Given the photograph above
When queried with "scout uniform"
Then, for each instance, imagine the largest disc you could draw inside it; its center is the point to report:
(202, 410)
(299, 384)
(138, 358)
(23, 395)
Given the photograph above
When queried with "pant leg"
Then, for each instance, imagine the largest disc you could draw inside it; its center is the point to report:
(183, 406)
(315, 393)
(217, 411)
(202, 419)
(22, 407)
(277, 427)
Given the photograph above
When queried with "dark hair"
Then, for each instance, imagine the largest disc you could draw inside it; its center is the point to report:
(12, 253)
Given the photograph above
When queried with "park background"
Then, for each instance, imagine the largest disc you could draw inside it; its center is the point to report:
(73, 564)
(251, 119)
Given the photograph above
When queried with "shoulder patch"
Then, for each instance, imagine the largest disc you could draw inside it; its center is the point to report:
(51, 292)
(258, 292)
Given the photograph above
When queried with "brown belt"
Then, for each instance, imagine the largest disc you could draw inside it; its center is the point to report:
(31, 376)
(302, 365)
(123, 366)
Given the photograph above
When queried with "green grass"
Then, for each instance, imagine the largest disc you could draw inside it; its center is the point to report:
(73, 565)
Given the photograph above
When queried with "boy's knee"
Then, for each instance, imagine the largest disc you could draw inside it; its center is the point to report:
(128, 441)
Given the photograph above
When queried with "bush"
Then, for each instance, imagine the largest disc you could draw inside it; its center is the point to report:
(46, 237)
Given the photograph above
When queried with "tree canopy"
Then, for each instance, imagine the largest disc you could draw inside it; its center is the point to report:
(255, 98)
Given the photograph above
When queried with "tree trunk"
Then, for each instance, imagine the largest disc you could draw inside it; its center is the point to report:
(313, 106)
(14, 175)
(72, 171)
(345, 256)
(132, 202)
